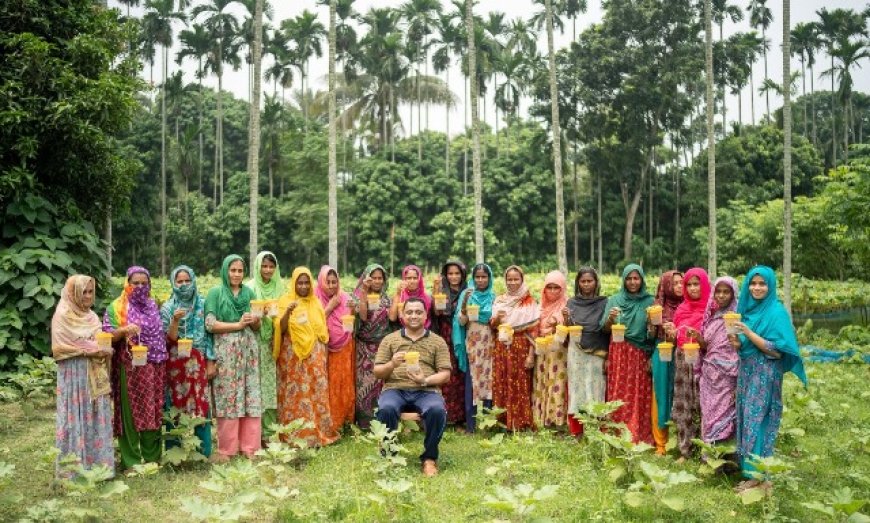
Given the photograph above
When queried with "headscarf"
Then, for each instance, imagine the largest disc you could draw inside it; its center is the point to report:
(633, 309)
(667, 299)
(483, 299)
(420, 292)
(73, 333)
(265, 291)
(553, 308)
(135, 306)
(768, 318)
(337, 335)
(303, 336)
(690, 313)
(221, 301)
(716, 335)
(452, 295)
(587, 312)
(377, 325)
(187, 297)
(522, 310)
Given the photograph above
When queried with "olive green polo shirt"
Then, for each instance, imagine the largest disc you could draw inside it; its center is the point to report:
(434, 357)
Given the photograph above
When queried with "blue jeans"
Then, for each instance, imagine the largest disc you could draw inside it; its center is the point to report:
(393, 402)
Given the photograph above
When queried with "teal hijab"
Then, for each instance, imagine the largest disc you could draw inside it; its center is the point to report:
(633, 307)
(484, 299)
(768, 318)
(187, 297)
(221, 302)
(266, 291)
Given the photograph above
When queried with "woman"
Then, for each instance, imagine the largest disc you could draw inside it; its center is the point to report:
(341, 355)
(267, 285)
(586, 361)
(628, 376)
(451, 282)
(84, 412)
(373, 325)
(719, 365)
(473, 342)
(768, 349)
(183, 316)
(134, 319)
(237, 385)
(686, 328)
(551, 369)
(512, 364)
(411, 286)
(669, 295)
(300, 343)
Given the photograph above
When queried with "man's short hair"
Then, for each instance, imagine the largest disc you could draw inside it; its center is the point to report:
(415, 299)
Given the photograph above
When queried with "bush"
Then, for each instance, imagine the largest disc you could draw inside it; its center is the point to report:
(44, 248)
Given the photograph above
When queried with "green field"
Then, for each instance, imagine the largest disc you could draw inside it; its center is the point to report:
(828, 430)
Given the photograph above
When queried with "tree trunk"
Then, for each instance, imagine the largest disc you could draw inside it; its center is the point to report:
(786, 149)
(631, 213)
(764, 50)
(254, 132)
(475, 132)
(446, 133)
(711, 144)
(561, 254)
(576, 218)
(600, 251)
(833, 117)
(333, 174)
(752, 95)
(163, 164)
(813, 101)
(804, 90)
(108, 239)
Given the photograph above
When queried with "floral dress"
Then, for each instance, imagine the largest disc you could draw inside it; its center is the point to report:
(237, 384)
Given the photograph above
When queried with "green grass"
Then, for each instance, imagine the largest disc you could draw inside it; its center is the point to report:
(336, 484)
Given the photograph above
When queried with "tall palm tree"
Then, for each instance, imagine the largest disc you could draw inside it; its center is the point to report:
(421, 17)
(475, 132)
(761, 16)
(158, 23)
(307, 33)
(443, 45)
(722, 11)
(712, 269)
(254, 132)
(804, 41)
(223, 27)
(561, 251)
(333, 169)
(786, 150)
(849, 53)
(196, 44)
(283, 62)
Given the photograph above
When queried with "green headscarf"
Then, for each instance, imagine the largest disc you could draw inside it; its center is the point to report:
(220, 300)
(633, 307)
(266, 291)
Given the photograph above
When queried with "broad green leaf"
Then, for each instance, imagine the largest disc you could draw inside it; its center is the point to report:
(634, 499)
(674, 503)
(752, 495)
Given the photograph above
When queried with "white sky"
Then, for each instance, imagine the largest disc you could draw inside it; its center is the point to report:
(801, 11)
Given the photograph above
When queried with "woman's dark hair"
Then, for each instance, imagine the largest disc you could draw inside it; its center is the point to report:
(270, 258)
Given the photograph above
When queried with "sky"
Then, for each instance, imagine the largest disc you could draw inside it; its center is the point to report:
(801, 11)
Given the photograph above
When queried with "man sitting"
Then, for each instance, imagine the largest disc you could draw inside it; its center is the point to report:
(415, 386)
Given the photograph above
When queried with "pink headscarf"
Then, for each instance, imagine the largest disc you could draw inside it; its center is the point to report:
(521, 309)
(337, 336)
(690, 313)
(553, 308)
(420, 292)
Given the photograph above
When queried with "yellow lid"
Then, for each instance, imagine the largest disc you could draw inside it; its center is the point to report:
(575, 329)
(139, 348)
(562, 329)
(691, 346)
(666, 345)
(617, 327)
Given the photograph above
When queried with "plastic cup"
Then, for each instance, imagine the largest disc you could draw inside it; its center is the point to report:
(257, 307)
(104, 340)
(400, 308)
(690, 351)
(184, 346)
(373, 301)
(473, 312)
(666, 351)
(412, 357)
(731, 319)
(140, 355)
(574, 334)
(618, 332)
(440, 301)
(541, 346)
(505, 333)
(655, 314)
(561, 334)
(347, 322)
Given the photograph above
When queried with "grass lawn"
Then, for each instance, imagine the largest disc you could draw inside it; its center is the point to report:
(831, 453)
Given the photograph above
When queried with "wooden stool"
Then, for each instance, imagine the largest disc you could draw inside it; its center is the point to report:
(413, 417)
